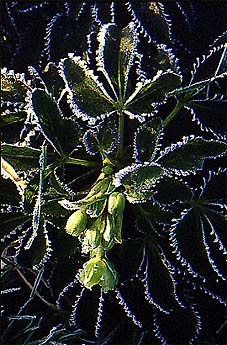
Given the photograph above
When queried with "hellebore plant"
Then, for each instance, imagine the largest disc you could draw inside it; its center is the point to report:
(100, 180)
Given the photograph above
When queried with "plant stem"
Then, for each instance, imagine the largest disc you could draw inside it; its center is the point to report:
(83, 162)
(121, 136)
(173, 113)
(52, 306)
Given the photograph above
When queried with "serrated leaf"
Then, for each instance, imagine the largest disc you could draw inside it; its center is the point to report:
(88, 97)
(203, 113)
(139, 181)
(191, 154)
(102, 138)
(153, 213)
(69, 135)
(149, 92)
(214, 238)
(146, 140)
(130, 263)
(213, 191)
(91, 142)
(21, 158)
(170, 190)
(158, 281)
(107, 60)
(12, 221)
(127, 51)
(36, 252)
(54, 127)
(189, 240)
(186, 323)
(158, 21)
(53, 81)
(49, 117)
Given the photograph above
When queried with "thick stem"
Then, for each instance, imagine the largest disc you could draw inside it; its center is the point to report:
(173, 113)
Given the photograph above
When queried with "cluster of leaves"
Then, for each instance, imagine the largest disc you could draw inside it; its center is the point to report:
(99, 126)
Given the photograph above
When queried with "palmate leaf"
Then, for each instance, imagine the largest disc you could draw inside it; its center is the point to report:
(189, 155)
(146, 140)
(198, 237)
(139, 181)
(116, 67)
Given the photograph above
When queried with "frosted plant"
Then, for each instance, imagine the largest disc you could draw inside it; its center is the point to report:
(107, 195)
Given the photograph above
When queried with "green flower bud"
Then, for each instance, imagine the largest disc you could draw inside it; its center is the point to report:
(107, 235)
(91, 240)
(76, 223)
(100, 187)
(98, 271)
(116, 203)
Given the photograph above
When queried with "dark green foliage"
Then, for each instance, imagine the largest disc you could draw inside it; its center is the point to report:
(112, 231)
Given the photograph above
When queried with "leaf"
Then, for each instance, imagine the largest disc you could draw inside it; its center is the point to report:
(213, 193)
(186, 323)
(21, 157)
(102, 138)
(10, 222)
(153, 214)
(157, 21)
(170, 190)
(146, 140)
(127, 52)
(30, 193)
(88, 97)
(49, 117)
(53, 81)
(69, 135)
(13, 93)
(107, 60)
(116, 67)
(150, 92)
(189, 237)
(203, 111)
(139, 181)
(54, 127)
(157, 278)
(128, 265)
(34, 254)
(190, 154)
